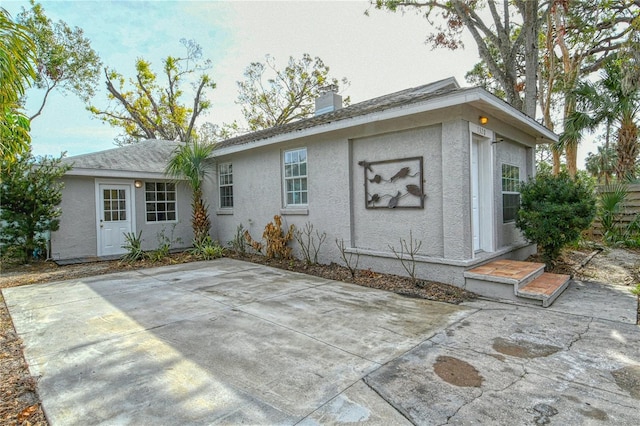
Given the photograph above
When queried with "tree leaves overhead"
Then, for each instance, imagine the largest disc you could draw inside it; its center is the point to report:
(146, 108)
(64, 59)
(272, 97)
(17, 53)
(503, 31)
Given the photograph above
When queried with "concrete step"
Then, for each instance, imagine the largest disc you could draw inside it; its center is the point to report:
(514, 272)
(545, 288)
(516, 280)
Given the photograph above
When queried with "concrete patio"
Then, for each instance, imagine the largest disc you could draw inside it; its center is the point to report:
(228, 342)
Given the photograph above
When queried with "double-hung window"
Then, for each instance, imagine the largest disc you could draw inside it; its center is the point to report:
(510, 192)
(295, 177)
(160, 201)
(225, 184)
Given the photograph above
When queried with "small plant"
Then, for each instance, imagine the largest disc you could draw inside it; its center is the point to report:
(407, 255)
(307, 240)
(636, 291)
(350, 259)
(276, 241)
(239, 243)
(133, 246)
(207, 249)
(164, 245)
(257, 246)
(554, 211)
(610, 202)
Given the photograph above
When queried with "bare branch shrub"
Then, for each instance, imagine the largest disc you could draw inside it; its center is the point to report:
(348, 258)
(407, 255)
(307, 240)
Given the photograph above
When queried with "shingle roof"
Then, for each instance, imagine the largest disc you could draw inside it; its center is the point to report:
(146, 156)
(392, 100)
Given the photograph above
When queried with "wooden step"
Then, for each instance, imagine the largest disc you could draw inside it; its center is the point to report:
(546, 288)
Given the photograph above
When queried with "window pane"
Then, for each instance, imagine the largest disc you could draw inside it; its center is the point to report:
(161, 207)
(121, 205)
(121, 195)
(150, 196)
(171, 216)
(107, 216)
(123, 215)
(171, 187)
(160, 186)
(149, 186)
(151, 217)
(162, 217)
(114, 216)
(510, 207)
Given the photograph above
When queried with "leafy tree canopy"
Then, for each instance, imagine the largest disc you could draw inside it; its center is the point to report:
(64, 59)
(272, 97)
(145, 108)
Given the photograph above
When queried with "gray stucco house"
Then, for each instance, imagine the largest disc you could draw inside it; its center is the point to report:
(438, 161)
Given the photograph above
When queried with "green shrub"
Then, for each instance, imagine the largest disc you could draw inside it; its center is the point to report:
(554, 211)
(207, 249)
(239, 244)
(133, 246)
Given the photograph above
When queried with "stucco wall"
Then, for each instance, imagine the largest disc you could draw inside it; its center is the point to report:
(337, 203)
(257, 188)
(180, 231)
(77, 234)
(377, 229)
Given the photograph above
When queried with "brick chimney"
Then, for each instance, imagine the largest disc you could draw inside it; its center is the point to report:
(329, 100)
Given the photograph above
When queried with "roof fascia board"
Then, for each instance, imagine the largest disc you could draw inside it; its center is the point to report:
(123, 174)
(467, 96)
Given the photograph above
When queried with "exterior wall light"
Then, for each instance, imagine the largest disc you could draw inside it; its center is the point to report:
(137, 183)
(483, 120)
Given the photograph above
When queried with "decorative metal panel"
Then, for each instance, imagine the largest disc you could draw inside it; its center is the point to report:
(393, 184)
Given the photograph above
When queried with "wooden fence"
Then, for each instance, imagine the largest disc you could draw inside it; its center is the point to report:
(628, 211)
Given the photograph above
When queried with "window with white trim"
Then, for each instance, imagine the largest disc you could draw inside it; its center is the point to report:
(160, 201)
(510, 192)
(225, 184)
(295, 177)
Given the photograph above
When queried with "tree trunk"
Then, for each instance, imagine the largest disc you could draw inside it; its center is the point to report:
(627, 149)
(531, 57)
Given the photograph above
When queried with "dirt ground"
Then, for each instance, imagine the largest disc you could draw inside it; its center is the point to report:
(20, 404)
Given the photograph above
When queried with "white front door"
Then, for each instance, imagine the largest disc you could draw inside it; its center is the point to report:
(114, 218)
(475, 196)
(482, 200)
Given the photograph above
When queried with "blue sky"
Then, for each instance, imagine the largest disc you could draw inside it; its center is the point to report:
(379, 53)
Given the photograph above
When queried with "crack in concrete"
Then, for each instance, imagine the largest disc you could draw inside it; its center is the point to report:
(579, 337)
(462, 406)
(394, 406)
(615, 395)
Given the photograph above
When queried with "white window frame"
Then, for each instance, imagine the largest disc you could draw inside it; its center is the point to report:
(225, 181)
(294, 173)
(165, 201)
(512, 184)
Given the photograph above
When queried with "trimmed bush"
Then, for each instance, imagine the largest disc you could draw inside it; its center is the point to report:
(554, 211)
